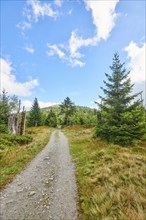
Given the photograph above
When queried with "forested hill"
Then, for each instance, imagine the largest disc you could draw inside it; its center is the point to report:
(81, 109)
(82, 115)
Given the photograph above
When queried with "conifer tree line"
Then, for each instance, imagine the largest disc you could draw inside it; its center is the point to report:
(120, 118)
(68, 114)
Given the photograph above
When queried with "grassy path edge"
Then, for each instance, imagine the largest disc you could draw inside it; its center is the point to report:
(15, 160)
(110, 178)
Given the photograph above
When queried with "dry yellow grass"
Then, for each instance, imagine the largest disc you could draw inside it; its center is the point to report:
(111, 179)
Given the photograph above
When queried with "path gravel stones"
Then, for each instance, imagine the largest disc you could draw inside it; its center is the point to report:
(46, 188)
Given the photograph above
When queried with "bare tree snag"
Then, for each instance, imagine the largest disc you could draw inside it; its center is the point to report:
(22, 125)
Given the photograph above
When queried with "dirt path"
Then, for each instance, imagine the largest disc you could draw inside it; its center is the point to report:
(46, 189)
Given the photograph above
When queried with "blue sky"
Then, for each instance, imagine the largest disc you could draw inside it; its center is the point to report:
(54, 49)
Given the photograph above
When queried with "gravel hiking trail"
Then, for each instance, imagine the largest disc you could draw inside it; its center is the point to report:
(46, 188)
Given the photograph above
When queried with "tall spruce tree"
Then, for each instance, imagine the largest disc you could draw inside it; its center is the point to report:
(67, 108)
(121, 118)
(34, 118)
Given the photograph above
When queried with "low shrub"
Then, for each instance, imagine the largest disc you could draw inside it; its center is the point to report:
(25, 139)
(13, 140)
(5, 142)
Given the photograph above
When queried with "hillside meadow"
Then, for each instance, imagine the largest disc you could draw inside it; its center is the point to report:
(111, 179)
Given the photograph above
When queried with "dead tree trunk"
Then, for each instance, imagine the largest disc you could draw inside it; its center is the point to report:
(17, 122)
(13, 123)
(22, 125)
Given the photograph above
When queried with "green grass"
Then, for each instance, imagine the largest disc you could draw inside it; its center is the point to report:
(17, 151)
(111, 179)
(8, 141)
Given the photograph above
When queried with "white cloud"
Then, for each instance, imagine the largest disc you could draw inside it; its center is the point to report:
(104, 16)
(70, 51)
(137, 56)
(39, 9)
(64, 53)
(29, 49)
(58, 2)
(33, 11)
(70, 11)
(54, 50)
(75, 62)
(28, 104)
(94, 105)
(10, 83)
(137, 62)
(47, 104)
(24, 25)
(75, 43)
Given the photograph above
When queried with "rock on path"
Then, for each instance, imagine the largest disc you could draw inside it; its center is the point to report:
(46, 188)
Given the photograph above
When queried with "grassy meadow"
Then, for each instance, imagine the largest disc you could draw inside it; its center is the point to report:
(111, 179)
(16, 151)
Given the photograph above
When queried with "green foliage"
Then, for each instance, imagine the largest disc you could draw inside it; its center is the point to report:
(8, 106)
(3, 127)
(43, 117)
(4, 112)
(84, 116)
(34, 118)
(121, 118)
(51, 119)
(81, 116)
(67, 109)
(13, 140)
